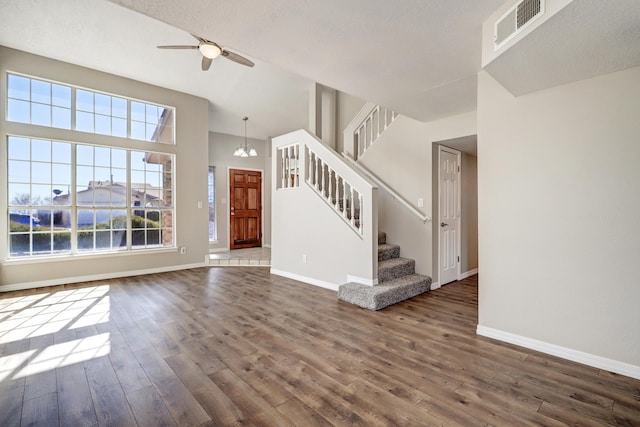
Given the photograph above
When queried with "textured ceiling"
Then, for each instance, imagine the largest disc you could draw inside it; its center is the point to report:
(419, 57)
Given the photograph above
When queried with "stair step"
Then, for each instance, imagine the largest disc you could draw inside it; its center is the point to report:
(394, 268)
(384, 295)
(387, 251)
(382, 238)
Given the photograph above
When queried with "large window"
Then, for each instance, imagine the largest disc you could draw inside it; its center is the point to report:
(72, 197)
(44, 103)
(212, 203)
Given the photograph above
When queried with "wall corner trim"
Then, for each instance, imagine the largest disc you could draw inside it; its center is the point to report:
(304, 279)
(434, 286)
(562, 352)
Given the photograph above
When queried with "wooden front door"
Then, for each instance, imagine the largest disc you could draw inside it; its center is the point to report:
(246, 208)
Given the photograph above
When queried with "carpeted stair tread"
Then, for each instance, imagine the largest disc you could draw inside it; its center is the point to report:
(384, 295)
(387, 251)
(396, 267)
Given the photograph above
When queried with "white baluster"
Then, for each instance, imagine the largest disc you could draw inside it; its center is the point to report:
(378, 115)
(324, 181)
(309, 172)
(317, 166)
(297, 154)
(330, 195)
(360, 215)
(351, 208)
(292, 166)
(385, 118)
(283, 167)
(336, 205)
(344, 198)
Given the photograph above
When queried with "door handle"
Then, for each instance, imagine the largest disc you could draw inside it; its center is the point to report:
(232, 213)
(442, 224)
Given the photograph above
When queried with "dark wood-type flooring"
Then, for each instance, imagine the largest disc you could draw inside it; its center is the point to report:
(243, 347)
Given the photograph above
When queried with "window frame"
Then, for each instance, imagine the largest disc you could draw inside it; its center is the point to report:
(75, 137)
(166, 119)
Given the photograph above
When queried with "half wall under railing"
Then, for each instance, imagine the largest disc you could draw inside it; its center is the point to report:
(324, 215)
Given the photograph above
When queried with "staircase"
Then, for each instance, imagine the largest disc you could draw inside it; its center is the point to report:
(396, 277)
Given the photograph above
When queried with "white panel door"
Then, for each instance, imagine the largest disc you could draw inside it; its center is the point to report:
(449, 212)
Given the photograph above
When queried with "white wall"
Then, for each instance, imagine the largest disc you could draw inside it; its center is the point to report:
(221, 148)
(347, 107)
(469, 213)
(190, 175)
(402, 158)
(558, 210)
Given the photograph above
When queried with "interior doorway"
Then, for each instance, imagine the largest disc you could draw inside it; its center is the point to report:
(449, 213)
(465, 237)
(245, 210)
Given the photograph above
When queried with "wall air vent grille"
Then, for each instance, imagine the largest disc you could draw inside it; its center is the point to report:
(527, 10)
(516, 19)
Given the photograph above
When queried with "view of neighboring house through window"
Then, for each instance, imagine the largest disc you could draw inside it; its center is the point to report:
(72, 197)
(212, 203)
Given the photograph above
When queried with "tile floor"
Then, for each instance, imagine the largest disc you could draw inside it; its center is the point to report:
(256, 257)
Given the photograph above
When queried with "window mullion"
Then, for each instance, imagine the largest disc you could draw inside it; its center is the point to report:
(128, 201)
(74, 206)
(73, 108)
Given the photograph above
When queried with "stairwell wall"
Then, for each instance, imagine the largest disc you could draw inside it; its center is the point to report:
(402, 157)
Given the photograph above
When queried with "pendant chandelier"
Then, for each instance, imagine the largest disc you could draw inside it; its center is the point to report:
(245, 150)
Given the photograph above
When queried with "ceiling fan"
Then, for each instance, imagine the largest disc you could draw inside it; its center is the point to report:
(211, 50)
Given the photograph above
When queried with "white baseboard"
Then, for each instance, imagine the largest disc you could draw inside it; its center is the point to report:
(92, 277)
(361, 280)
(469, 273)
(563, 352)
(266, 246)
(309, 280)
(434, 286)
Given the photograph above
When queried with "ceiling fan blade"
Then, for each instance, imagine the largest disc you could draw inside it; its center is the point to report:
(206, 63)
(237, 58)
(178, 46)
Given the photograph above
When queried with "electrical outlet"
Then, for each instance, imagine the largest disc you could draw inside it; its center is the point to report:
(304, 258)
(420, 202)
(183, 250)
(199, 204)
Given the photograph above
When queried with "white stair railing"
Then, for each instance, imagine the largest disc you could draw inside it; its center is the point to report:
(289, 166)
(368, 125)
(332, 187)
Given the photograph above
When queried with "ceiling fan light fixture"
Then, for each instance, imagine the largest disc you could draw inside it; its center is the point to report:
(210, 51)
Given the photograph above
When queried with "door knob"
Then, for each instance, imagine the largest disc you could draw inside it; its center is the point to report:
(442, 224)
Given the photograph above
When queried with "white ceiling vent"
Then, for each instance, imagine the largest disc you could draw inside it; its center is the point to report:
(516, 19)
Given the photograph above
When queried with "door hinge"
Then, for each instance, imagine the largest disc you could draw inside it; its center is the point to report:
(458, 168)
(458, 258)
